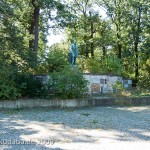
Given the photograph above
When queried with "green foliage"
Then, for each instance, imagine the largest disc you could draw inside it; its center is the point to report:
(68, 83)
(118, 86)
(125, 32)
(28, 85)
(55, 60)
(105, 65)
(94, 122)
(8, 89)
(85, 114)
(144, 79)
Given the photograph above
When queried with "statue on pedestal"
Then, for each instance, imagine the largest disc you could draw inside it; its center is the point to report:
(73, 53)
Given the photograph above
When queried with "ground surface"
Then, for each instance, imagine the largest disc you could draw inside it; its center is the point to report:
(94, 128)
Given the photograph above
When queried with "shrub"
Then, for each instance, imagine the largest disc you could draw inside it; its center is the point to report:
(68, 83)
(8, 91)
(144, 78)
(105, 65)
(28, 85)
(8, 88)
(118, 86)
(56, 59)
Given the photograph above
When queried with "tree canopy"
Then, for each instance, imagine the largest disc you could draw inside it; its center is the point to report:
(117, 44)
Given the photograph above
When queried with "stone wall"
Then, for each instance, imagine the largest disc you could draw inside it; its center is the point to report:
(104, 83)
(97, 101)
(97, 83)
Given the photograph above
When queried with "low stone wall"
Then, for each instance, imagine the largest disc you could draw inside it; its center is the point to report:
(121, 101)
(92, 101)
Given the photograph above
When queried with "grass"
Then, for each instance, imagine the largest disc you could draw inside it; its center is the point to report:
(94, 121)
(85, 114)
(133, 92)
(11, 111)
(69, 109)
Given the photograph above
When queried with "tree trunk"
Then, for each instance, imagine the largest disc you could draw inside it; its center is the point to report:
(92, 44)
(34, 25)
(104, 51)
(86, 46)
(136, 61)
(87, 52)
(119, 51)
(118, 44)
(136, 46)
(36, 32)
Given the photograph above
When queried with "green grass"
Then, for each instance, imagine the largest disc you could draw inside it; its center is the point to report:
(69, 109)
(94, 121)
(11, 111)
(85, 114)
(133, 92)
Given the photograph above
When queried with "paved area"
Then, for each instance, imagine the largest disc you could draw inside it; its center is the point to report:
(97, 128)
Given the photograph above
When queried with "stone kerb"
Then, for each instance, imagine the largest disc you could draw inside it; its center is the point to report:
(83, 102)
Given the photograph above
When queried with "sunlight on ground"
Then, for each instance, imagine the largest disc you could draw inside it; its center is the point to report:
(63, 134)
(135, 109)
(66, 137)
(53, 134)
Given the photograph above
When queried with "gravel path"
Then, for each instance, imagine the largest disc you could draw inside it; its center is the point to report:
(97, 128)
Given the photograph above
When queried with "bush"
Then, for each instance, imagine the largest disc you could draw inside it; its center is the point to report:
(118, 86)
(8, 91)
(105, 65)
(68, 83)
(8, 88)
(29, 85)
(144, 78)
(55, 60)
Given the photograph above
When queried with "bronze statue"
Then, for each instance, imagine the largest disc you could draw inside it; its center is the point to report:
(73, 53)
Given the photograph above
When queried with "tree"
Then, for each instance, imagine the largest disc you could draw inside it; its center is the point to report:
(129, 19)
(78, 27)
(34, 28)
(138, 22)
(115, 10)
(46, 8)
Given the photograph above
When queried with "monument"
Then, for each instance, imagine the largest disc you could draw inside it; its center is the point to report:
(73, 53)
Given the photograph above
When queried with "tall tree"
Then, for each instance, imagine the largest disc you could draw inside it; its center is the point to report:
(138, 12)
(34, 28)
(115, 11)
(81, 8)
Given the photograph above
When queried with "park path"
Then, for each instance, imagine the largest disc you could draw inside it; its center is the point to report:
(97, 128)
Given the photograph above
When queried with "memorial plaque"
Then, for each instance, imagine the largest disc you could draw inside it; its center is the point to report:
(95, 88)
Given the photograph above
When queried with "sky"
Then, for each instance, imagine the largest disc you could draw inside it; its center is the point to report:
(52, 39)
